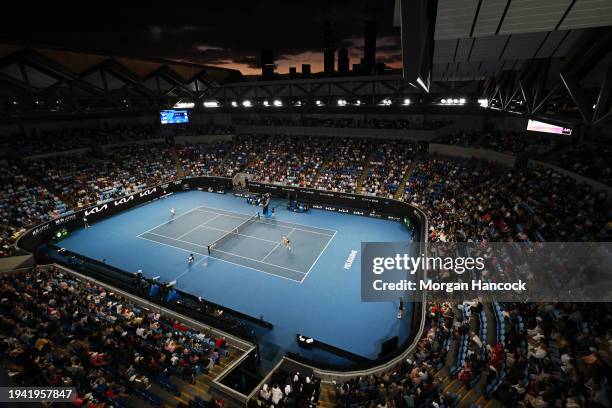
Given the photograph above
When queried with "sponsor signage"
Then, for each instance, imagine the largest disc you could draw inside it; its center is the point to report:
(95, 210)
(318, 199)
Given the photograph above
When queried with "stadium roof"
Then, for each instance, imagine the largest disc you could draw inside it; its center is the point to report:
(525, 55)
(53, 77)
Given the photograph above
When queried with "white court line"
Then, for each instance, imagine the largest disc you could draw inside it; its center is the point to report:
(229, 253)
(198, 226)
(176, 239)
(278, 222)
(235, 233)
(219, 259)
(315, 262)
(169, 221)
(272, 250)
(256, 260)
(189, 269)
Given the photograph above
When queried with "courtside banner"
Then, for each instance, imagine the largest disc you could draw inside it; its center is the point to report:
(506, 272)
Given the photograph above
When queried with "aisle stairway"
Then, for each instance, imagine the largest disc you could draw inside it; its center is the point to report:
(177, 161)
(328, 395)
(227, 155)
(364, 173)
(407, 173)
(328, 158)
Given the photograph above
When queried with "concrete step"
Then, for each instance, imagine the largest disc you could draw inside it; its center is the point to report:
(364, 173)
(328, 395)
(407, 172)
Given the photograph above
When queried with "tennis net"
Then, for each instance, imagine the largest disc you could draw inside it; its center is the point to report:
(235, 231)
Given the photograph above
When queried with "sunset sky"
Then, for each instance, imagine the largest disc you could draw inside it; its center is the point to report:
(228, 34)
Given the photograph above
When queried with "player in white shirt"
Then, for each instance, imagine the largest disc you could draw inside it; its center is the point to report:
(286, 243)
(172, 212)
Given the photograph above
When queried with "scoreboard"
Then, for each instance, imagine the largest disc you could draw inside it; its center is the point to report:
(173, 116)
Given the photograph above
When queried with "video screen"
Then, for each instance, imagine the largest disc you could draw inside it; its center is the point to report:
(168, 117)
(537, 126)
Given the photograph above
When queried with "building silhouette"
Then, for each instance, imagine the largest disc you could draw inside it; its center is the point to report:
(369, 49)
(343, 61)
(329, 49)
(267, 64)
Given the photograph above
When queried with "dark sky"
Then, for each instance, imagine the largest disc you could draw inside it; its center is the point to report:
(222, 33)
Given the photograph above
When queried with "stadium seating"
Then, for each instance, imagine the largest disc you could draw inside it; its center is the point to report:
(58, 330)
(535, 354)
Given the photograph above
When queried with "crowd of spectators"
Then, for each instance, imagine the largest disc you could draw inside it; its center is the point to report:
(23, 204)
(347, 122)
(86, 180)
(293, 161)
(472, 200)
(553, 355)
(289, 390)
(343, 172)
(61, 331)
(413, 382)
(590, 160)
(202, 159)
(388, 166)
(246, 148)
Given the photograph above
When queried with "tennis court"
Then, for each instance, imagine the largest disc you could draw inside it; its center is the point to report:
(268, 286)
(245, 240)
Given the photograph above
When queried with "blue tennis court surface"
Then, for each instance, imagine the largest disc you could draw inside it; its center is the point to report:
(309, 290)
(251, 241)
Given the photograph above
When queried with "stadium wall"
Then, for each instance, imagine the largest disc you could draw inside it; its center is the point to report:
(421, 135)
(468, 153)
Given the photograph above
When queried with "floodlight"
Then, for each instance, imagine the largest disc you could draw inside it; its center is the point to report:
(182, 105)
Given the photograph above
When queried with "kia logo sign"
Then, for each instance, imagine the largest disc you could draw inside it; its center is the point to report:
(124, 200)
(95, 210)
(147, 192)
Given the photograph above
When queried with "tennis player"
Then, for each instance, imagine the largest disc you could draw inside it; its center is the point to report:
(190, 259)
(172, 212)
(286, 243)
(266, 204)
